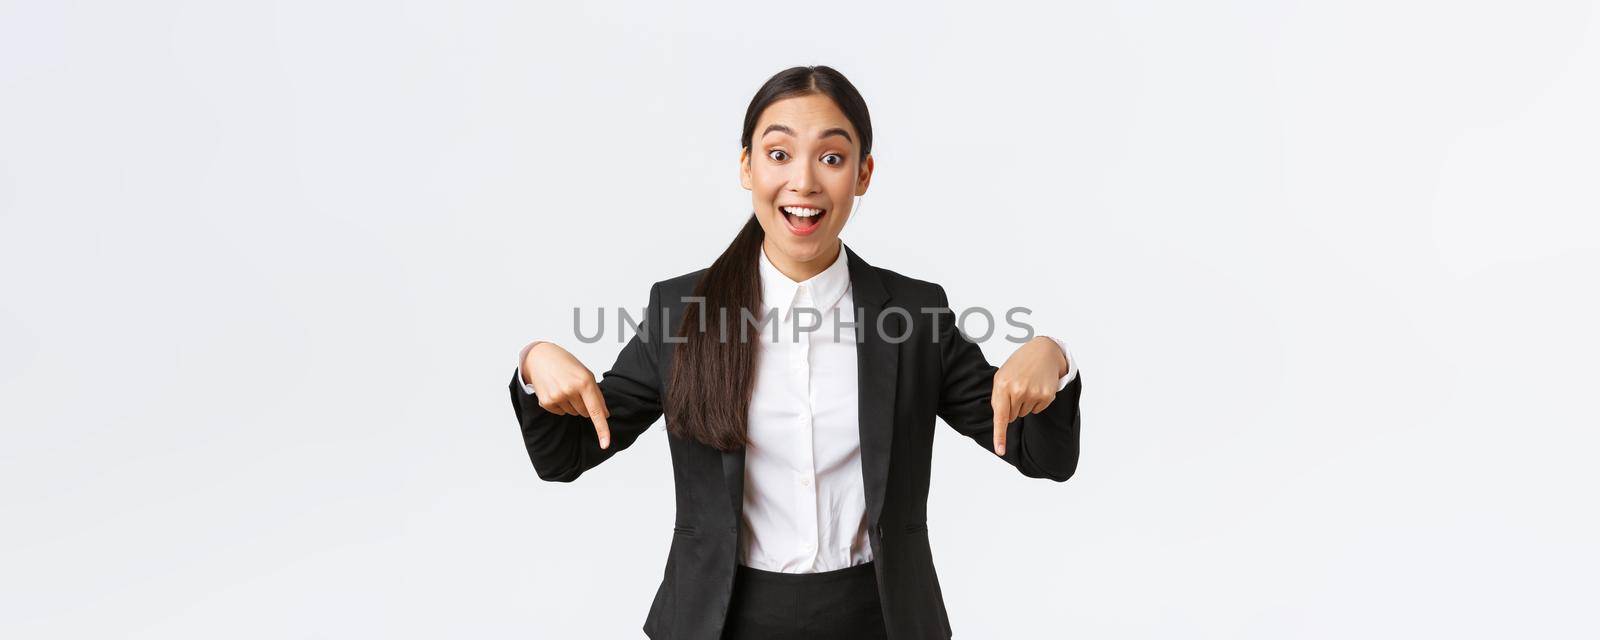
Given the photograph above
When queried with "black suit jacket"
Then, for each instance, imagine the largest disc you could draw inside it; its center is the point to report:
(904, 384)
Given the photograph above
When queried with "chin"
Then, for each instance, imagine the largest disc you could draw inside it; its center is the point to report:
(813, 246)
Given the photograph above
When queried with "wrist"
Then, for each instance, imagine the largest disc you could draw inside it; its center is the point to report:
(1061, 357)
(526, 365)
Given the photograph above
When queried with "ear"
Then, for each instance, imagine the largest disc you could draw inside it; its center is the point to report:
(744, 168)
(865, 178)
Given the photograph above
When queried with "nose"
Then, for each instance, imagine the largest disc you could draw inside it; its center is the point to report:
(804, 180)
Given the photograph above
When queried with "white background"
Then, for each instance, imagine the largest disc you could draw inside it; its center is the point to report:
(1329, 270)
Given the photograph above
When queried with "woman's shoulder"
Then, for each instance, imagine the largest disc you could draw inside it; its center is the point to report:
(905, 288)
(681, 285)
(899, 286)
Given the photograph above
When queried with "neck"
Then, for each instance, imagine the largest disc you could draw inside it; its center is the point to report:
(801, 270)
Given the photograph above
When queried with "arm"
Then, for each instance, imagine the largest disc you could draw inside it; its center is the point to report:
(562, 447)
(1040, 445)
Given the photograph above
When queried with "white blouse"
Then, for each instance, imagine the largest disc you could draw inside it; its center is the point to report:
(804, 497)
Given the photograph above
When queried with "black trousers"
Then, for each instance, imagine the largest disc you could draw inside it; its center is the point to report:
(832, 605)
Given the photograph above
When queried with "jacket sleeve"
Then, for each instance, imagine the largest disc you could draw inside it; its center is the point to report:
(1041, 445)
(562, 447)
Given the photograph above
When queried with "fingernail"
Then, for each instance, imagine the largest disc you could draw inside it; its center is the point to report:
(1000, 450)
(605, 442)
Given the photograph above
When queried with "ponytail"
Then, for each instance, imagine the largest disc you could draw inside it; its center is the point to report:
(714, 369)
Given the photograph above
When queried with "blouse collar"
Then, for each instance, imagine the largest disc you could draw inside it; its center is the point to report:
(819, 292)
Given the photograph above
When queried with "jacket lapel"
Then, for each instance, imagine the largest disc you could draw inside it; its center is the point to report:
(877, 363)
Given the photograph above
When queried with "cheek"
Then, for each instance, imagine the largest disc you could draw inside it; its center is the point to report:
(842, 190)
(764, 190)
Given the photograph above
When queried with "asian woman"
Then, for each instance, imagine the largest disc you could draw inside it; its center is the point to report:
(800, 385)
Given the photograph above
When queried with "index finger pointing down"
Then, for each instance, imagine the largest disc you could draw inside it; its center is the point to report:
(596, 403)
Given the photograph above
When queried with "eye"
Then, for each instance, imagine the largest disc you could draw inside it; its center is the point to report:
(833, 155)
(777, 151)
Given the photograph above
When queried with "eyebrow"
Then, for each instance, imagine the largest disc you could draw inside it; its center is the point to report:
(836, 131)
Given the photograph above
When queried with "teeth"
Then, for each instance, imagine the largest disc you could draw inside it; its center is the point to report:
(801, 211)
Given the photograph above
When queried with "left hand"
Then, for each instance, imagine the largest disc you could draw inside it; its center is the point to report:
(1025, 384)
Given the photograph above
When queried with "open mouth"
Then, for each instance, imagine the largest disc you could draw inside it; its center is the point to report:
(803, 220)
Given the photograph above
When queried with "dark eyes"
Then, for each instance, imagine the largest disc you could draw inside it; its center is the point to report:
(780, 155)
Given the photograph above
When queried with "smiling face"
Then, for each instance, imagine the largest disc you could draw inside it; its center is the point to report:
(803, 170)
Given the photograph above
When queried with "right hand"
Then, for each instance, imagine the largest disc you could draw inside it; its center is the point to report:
(565, 387)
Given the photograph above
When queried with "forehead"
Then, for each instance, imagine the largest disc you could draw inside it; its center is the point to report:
(806, 114)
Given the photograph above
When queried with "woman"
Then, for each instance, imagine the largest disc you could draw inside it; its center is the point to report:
(800, 386)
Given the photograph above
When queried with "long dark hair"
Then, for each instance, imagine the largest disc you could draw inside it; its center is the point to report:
(714, 369)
